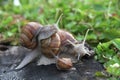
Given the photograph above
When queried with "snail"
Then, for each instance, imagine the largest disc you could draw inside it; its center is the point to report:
(44, 33)
(51, 42)
(62, 63)
(56, 41)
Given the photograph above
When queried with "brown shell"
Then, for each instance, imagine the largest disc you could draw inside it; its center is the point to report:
(27, 34)
(64, 36)
(51, 44)
(64, 63)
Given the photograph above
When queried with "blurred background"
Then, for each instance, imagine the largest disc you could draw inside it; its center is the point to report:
(102, 16)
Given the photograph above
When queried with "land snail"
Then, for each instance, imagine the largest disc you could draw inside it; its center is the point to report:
(63, 63)
(48, 41)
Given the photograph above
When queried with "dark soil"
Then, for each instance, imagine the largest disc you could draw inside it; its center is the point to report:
(9, 58)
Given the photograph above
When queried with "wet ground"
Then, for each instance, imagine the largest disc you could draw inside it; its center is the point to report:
(9, 58)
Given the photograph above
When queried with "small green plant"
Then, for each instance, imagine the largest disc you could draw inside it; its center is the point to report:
(108, 53)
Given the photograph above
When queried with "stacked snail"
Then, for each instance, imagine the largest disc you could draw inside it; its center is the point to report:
(50, 41)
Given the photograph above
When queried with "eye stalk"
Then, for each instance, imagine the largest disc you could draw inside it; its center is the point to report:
(56, 24)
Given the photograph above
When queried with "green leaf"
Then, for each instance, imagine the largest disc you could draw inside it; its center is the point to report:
(112, 33)
(116, 42)
(115, 70)
(10, 33)
(101, 74)
(7, 20)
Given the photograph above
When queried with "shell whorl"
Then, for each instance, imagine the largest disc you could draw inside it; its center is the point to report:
(27, 34)
(64, 36)
(51, 44)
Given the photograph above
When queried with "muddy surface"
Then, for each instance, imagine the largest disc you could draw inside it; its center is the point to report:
(11, 56)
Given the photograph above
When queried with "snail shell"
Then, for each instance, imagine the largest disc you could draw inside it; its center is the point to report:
(27, 34)
(64, 63)
(55, 42)
(64, 36)
(50, 44)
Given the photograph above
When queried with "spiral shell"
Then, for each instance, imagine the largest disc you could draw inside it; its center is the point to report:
(27, 34)
(51, 44)
(64, 63)
(64, 36)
